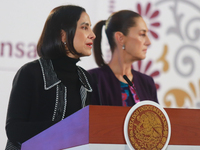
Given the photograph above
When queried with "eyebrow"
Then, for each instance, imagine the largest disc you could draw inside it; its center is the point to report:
(85, 23)
(144, 30)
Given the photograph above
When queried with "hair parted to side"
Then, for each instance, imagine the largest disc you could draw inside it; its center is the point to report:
(119, 21)
(65, 18)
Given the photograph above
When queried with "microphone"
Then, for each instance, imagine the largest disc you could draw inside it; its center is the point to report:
(127, 80)
(131, 84)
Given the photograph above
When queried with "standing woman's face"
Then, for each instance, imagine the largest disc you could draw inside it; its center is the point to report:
(84, 36)
(137, 40)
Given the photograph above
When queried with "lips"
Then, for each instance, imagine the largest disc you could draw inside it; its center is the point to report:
(89, 44)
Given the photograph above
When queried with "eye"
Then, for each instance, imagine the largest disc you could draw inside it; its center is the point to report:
(84, 27)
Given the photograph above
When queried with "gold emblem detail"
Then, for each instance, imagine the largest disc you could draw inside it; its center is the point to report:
(147, 128)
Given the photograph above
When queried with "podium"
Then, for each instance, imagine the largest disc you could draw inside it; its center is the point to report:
(101, 128)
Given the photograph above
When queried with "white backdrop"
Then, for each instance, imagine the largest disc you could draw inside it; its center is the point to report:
(172, 60)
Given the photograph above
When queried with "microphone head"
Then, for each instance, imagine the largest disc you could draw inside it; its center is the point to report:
(127, 80)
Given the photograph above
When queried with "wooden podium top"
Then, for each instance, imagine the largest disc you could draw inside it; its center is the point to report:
(105, 124)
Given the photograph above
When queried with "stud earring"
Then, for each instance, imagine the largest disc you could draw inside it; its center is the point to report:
(65, 43)
(123, 47)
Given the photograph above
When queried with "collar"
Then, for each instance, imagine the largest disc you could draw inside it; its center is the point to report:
(50, 77)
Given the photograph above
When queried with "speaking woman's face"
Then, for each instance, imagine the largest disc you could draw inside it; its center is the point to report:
(84, 36)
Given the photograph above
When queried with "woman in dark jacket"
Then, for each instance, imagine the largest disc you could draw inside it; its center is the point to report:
(49, 89)
(128, 39)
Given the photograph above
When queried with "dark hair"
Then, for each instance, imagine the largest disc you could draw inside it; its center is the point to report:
(120, 21)
(60, 18)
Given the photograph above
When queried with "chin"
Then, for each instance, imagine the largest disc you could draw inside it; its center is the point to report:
(89, 53)
(143, 57)
(86, 54)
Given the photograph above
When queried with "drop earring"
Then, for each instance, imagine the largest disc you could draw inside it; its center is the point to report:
(65, 43)
(123, 47)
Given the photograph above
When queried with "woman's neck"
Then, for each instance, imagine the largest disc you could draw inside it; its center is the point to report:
(65, 64)
(120, 66)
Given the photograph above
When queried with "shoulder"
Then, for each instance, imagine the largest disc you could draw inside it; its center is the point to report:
(28, 72)
(31, 65)
(29, 68)
(141, 76)
(95, 70)
(100, 71)
(143, 80)
(137, 73)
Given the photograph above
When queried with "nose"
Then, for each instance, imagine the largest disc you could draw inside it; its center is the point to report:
(92, 35)
(148, 42)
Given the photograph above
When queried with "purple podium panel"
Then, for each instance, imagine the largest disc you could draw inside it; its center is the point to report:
(71, 131)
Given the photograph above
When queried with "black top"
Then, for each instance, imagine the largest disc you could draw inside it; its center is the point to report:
(66, 71)
(33, 100)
